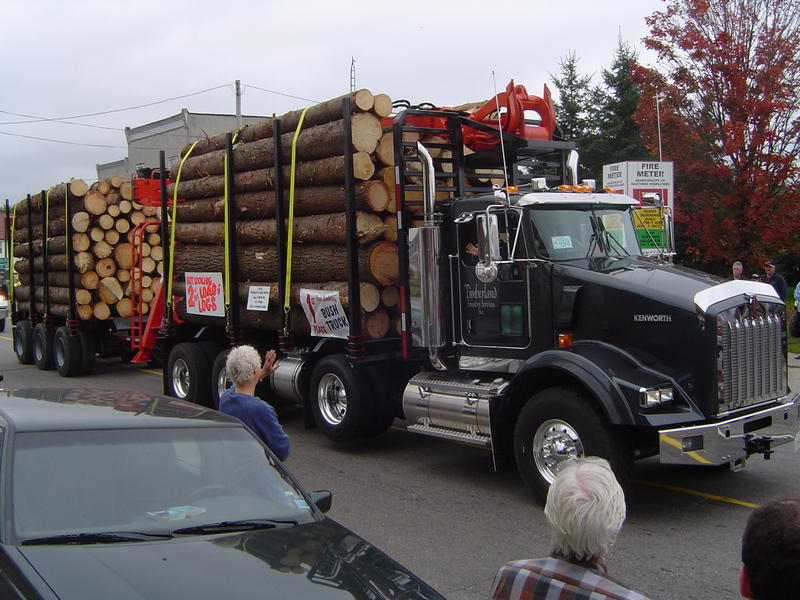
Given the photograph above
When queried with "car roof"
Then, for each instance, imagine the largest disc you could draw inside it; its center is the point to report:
(36, 409)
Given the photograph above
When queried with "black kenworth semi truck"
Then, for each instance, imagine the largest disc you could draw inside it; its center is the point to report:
(533, 325)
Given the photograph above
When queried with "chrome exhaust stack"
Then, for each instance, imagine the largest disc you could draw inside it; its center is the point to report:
(424, 251)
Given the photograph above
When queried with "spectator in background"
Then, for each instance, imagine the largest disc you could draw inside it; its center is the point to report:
(771, 552)
(775, 279)
(244, 368)
(737, 269)
(585, 509)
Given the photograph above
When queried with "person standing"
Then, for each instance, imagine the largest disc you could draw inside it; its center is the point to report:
(771, 552)
(737, 269)
(244, 368)
(585, 509)
(775, 279)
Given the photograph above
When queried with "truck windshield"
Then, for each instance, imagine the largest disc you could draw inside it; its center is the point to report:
(570, 233)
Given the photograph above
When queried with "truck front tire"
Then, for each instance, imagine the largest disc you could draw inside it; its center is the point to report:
(337, 399)
(23, 342)
(219, 378)
(43, 347)
(67, 353)
(558, 424)
(189, 374)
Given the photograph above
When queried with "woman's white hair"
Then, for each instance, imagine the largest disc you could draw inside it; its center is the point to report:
(242, 364)
(585, 508)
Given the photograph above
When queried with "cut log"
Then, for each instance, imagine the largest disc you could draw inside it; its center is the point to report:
(80, 242)
(154, 239)
(122, 225)
(136, 205)
(80, 222)
(97, 234)
(110, 290)
(83, 297)
(123, 254)
(116, 181)
(147, 281)
(89, 280)
(390, 227)
(370, 296)
(105, 267)
(383, 263)
(382, 105)
(390, 296)
(123, 307)
(326, 228)
(125, 206)
(113, 210)
(387, 176)
(148, 265)
(84, 311)
(376, 324)
(137, 217)
(124, 275)
(84, 261)
(385, 150)
(157, 252)
(95, 203)
(102, 249)
(105, 221)
(103, 187)
(101, 311)
(147, 295)
(59, 310)
(144, 249)
(112, 237)
(56, 278)
(125, 190)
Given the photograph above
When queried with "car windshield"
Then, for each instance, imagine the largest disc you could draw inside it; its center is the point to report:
(147, 480)
(569, 233)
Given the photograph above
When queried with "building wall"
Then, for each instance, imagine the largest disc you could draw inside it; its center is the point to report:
(170, 135)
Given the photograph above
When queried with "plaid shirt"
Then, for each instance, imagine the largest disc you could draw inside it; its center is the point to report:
(556, 579)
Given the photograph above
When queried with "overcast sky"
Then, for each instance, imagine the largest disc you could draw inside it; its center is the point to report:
(63, 59)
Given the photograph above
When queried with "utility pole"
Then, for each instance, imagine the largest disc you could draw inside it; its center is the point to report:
(658, 123)
(238, 105)
(352, 74)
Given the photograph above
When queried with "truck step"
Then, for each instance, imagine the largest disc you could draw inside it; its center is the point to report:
(450, 434)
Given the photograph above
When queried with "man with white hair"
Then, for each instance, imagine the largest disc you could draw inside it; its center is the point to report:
(585, 509)
(244, 368)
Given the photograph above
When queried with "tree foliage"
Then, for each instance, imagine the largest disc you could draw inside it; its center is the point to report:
(728, 84)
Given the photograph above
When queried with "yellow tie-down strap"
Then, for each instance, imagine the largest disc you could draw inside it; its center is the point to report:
(287, 295)
(174, 220)
(226, 282)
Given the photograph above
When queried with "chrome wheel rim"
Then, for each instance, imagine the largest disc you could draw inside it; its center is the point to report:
(180, 378)
(332, 399)
(554, 443)
(18, 346)
(59, 353)
(38, 348)
(223, 383)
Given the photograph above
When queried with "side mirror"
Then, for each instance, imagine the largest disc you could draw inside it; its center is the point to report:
(322, 499)
(572, 167)
(488, 238)
(652, 199)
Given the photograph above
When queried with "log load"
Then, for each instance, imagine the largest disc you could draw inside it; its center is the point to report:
(98, 250)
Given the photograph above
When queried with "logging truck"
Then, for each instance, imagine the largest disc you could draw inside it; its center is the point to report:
(470, 288)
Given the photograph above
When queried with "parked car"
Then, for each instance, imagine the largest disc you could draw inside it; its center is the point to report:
(129, 496)
(3, 307)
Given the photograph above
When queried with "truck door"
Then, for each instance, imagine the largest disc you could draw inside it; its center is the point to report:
(494, 313)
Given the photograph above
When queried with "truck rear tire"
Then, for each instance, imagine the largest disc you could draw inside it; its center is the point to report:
(23, 342)
(67, 353)
(219, 378)
(43, 347)
(88, 353)
(189, 374)
(337, 399)
(558, 424)
(378, 416)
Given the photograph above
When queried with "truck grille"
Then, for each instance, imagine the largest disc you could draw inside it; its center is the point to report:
(751, 360)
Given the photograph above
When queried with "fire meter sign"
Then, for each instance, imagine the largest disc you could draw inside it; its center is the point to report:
(204, 294)
(652, 184)
(325, 313)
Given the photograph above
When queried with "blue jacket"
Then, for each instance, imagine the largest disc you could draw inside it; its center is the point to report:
(259, 416)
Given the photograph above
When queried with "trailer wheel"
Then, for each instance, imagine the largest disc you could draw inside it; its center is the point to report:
(337, 401)
(43, 347)
(559, 424)
(379, 415)
(23, 342)
(219, 378)
(88, 352)
(189, 374)
(67, 353)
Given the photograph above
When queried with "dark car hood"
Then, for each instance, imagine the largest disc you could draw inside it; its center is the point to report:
(320, 560)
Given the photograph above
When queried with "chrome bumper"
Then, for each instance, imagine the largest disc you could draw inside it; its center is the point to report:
(731, 441)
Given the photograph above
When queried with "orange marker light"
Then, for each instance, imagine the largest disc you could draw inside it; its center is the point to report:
(565, 340)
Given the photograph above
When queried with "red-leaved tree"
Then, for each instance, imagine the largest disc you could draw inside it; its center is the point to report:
(728, 87)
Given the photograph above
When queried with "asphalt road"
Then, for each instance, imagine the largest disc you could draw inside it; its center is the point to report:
(441, 510)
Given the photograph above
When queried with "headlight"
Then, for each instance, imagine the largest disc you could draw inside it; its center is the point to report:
(653, 397)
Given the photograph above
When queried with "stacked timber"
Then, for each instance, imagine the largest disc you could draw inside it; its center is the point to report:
(101, 265)
(319, 253)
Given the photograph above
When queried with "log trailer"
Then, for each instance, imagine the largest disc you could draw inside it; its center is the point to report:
(532, 325)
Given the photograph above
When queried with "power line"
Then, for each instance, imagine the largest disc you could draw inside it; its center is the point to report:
(59, 121)
(116, 110)
(41, 139)
(250, 85)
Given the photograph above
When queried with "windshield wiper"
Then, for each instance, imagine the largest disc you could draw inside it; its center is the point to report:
(616, 243)
(593, 241)
(96, 538)
(226, 526)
